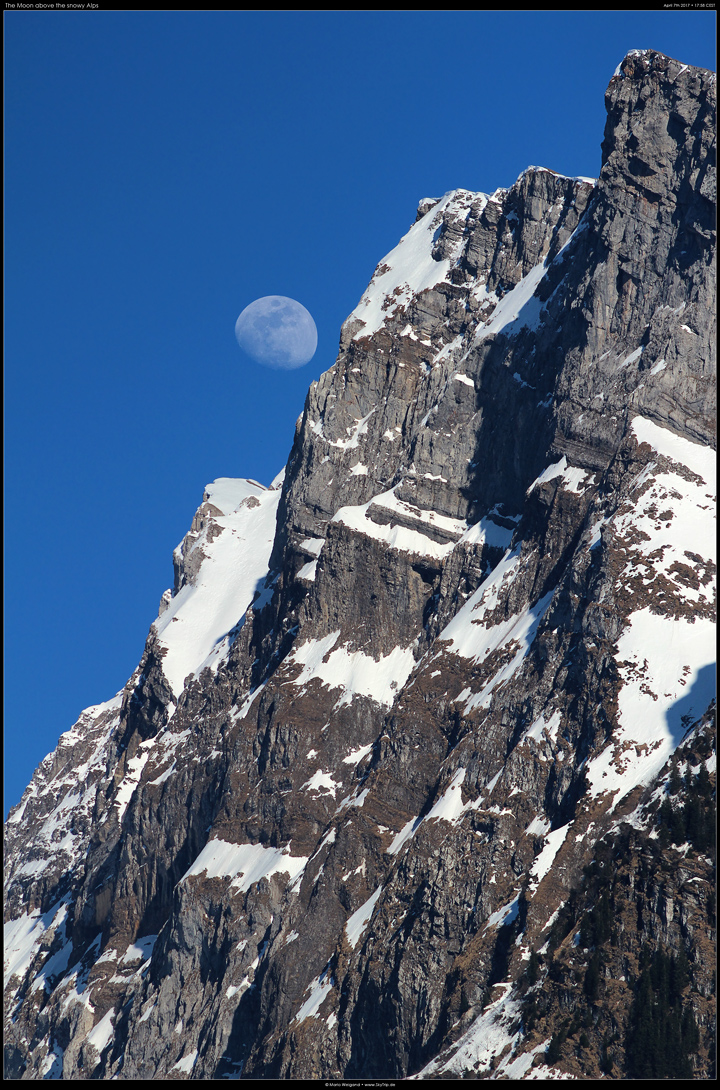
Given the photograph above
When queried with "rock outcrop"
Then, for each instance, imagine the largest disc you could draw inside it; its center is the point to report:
(411, 714)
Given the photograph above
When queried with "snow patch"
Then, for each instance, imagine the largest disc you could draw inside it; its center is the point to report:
(469, 637)
(410, 268)
(353, 671)
(318, 989)
(540, 730)
(398, 536)
(573, 479)
(194, 630)
(505, 915)
(520, 305)
(698, 458)
(405, 833)
(492, 1033)
(140, 950)
(186, 1064)
(321, 781)
(358, 922)
(101, 1034)
(22, 938)
(313, 545)
(544, 861)
(668, 671)
(357, 755)
(449, 807)
(246, 864)
(488, 532)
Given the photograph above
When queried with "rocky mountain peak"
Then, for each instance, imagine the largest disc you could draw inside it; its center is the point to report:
(416, 773)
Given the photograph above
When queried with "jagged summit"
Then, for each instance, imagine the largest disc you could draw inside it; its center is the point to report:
(645, 60)
(418, 721)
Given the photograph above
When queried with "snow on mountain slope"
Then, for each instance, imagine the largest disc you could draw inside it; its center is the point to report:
(411, 267)
(60, 801)
(666, 654)
(223, 561)
(230, 554)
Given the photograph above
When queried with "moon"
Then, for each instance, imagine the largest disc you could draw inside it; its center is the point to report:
(277, 332)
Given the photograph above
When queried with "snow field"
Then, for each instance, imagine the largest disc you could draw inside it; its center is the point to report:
(468, 635)
(353, 672)
(246, 864)
(520, 305)
(21, 942)
(358, 922)
(574, 480)
(667, 664)
(195, 626)
(318, 989)
(667, 667)
(400, 537)
(410, 268)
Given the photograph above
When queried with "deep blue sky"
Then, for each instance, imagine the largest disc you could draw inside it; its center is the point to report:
(164, 170)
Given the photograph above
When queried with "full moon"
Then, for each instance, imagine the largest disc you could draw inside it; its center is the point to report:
(277, 332)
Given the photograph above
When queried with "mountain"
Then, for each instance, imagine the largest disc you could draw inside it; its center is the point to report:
(416, 773)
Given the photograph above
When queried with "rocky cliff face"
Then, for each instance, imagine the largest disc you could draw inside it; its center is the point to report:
(410, 714)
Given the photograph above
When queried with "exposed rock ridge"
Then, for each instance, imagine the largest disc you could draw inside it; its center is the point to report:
(329, 824)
